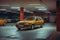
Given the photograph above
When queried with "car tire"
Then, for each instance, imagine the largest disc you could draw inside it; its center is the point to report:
(3, 25)
(38, 26)
(18, 29)
(41, 26)
(32, 26)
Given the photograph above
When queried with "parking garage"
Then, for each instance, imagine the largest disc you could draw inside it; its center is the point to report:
(13, 12)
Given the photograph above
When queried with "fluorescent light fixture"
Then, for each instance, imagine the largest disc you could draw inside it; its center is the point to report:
(18, 9)
(34, 4)
(42, 9)
(15, 8)
(3, 9)
(40, 6)
(28, 11)
(25, 10)
(5, 5)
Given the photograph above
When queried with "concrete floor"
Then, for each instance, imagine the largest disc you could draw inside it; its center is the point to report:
(9, 32)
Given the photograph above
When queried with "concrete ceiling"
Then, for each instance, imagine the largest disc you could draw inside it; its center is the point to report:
(30, 4)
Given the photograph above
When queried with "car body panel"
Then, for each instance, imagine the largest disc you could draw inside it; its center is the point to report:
(3, 21)
(30, 22)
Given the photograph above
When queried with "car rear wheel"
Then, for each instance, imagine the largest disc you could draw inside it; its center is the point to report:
(32, 26)
(41, 26)
(20, 29)
(38, 26)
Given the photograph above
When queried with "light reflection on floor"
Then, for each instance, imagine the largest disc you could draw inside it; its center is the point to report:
(11, 33)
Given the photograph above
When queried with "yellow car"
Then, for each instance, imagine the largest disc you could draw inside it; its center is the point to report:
(30, 22)
(3, 21)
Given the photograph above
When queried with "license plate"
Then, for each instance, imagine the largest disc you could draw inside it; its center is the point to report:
(37, 25)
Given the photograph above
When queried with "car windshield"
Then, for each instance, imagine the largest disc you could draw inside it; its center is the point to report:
(29, 18)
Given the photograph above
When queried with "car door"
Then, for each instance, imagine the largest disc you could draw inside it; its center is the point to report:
(37, 20)
(41, 21)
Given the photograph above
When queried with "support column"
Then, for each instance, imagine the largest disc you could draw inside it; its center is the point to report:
(58, 19)
(21, 13)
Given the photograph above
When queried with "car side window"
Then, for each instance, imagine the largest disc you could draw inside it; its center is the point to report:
(39, 18)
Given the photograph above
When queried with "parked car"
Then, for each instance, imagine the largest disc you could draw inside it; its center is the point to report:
(30, 22)
(9, 20)
(46, 20)
(3, 21)
(12, 20)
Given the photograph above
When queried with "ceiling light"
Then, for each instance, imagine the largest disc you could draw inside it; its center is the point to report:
(42, 9)
(25, 10)
(40, 6)
(19, 9)
(4, 5)
(15, 7)
(3, 9)
(34, 4)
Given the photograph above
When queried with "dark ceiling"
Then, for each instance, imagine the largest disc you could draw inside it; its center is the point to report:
(58, 3)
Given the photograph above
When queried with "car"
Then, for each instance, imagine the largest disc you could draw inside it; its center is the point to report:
(45, 20)
(30, 22)
(13, 20)
(3, 21)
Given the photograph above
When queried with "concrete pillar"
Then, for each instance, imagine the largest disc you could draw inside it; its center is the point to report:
(21, 13)
(58, 19)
